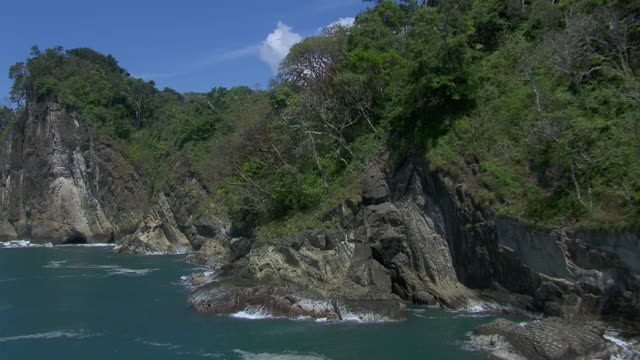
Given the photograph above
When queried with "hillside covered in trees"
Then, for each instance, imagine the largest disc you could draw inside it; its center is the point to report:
(534, 106)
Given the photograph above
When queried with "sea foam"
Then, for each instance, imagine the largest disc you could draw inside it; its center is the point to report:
(68, 334)
(252, 313)
(109, 270)
(17, 244)
(245, 355)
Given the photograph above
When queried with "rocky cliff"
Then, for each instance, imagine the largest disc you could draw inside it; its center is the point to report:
(416, 237)
(62, 181)
(59, 183)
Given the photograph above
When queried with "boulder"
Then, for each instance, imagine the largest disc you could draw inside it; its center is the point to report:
(549, 339)
(277, 301)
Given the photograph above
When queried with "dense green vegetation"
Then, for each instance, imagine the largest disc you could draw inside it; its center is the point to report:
(534, 105)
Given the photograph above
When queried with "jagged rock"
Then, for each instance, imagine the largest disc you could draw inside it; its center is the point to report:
(201, 278)
(388, 249)
(197, 217)
(287, 302)
(158, 233)
(541, 251)
(213, 254)
(7, 231)
(417, 237)
(60, 182)
(550, 339)
(375, 188)
(63, 181)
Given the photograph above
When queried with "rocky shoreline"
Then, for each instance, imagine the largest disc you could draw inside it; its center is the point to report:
(553, 339)
(413, 237)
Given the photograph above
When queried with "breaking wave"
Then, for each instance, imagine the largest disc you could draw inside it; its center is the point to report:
(252, 313)
(245, 355)
(16, 244)
(88, 245)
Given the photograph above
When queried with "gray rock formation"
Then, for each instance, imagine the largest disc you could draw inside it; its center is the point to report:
(158, 233)
(417, 237)
(287, 302)
(414, 235)
(390, 246)
(180, 220)
(60, 183)
(550, 339)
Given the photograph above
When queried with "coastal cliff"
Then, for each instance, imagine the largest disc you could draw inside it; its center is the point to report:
(60, 184)
(416, 239)
(414, 236)
(63, 182)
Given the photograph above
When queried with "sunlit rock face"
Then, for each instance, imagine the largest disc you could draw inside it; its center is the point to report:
(61, 183)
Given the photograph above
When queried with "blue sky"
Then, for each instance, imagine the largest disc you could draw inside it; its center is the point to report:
(189, 45)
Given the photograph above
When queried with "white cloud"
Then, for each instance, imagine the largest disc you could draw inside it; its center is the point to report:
(346, 22)
(277, 45)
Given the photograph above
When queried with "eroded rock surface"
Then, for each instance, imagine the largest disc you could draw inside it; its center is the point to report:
(62, 181)
(550, 339)
(59, 183)
(280, 301)
(415, 236)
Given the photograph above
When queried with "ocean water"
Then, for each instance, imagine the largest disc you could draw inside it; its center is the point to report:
(89, 303)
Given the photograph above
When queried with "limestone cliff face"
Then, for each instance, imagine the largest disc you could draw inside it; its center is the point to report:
(63, 182)
(59, 183)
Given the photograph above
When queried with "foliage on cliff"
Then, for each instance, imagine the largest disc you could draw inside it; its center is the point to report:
(534, 105)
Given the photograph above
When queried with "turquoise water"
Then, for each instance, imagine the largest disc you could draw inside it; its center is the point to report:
(88, 303)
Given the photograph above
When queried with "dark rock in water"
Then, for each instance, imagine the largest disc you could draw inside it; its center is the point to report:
(424, 298)
(550, 339)
(278, 301)
(201, 278)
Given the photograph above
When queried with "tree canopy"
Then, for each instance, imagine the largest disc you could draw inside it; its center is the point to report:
(533, 105)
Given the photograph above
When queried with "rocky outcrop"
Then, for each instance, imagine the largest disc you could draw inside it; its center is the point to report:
(63, 181)
(274, 301)
(418, 237)
(550, 339)
(158, 233)
(63, 184)
(391, 246)
(413, 235)
(181, 220)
